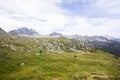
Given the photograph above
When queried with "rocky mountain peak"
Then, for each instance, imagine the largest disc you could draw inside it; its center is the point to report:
(24, 31)
(55, 34)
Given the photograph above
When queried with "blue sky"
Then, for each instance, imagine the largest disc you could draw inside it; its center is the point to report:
(83, 8)
(83, 17)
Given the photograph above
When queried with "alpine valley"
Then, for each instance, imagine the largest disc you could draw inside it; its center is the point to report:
(27, 55)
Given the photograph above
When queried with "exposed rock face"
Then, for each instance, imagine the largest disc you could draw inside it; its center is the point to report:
(24, 31)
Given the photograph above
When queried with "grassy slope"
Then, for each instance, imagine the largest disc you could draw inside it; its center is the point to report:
(54, 66)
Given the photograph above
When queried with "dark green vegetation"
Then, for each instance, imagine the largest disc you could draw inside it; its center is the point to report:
(23, 58)
(112, 47)
(107, 44)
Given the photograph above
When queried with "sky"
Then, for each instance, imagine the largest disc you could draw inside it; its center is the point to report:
(82, 17)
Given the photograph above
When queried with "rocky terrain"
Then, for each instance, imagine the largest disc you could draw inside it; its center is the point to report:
(105, 43)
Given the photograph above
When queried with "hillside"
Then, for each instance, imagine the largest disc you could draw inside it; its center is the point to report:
(100, 42)
(2, 32)
(57, 45)
(25, 58)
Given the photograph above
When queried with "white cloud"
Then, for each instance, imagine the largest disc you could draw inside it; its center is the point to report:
(94, 26)
(43, 9)
(45, 16)
(112, 7)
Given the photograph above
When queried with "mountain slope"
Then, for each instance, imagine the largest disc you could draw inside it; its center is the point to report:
(100, 42)
(2, 32)
(112, 47)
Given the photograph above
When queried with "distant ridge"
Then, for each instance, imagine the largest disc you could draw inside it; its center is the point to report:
(55, 34)
(118, 39)
(105, 43)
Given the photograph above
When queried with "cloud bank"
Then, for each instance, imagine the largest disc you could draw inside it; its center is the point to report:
(83, 17)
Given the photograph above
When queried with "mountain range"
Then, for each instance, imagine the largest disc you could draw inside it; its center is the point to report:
(105, 43)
